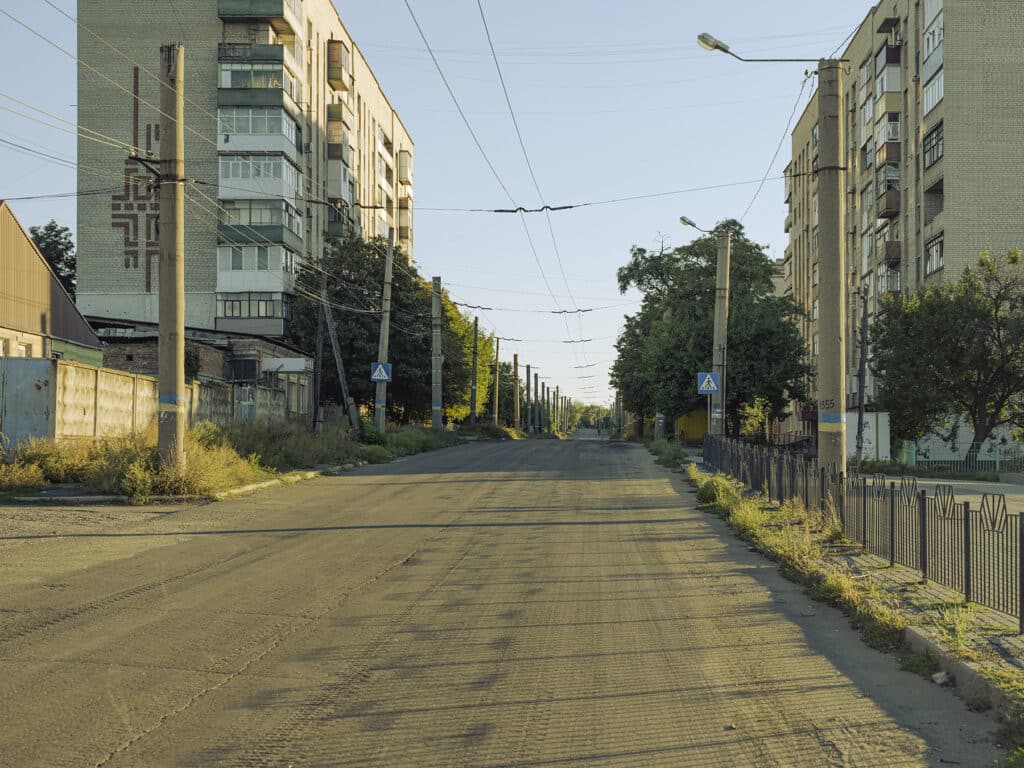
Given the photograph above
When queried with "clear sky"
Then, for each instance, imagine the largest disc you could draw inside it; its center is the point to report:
(613, 100)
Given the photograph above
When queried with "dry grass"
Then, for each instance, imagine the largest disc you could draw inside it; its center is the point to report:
(19, 476)
(129, 466)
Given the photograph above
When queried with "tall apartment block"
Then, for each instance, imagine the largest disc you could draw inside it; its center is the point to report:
(933, 108)
(289, 141)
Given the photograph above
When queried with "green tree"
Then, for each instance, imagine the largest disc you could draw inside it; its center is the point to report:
(355, 276)
(954, 352)
(58, 248)
(669, 340)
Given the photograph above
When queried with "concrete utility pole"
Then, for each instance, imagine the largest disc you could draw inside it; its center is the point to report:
(862, 371)
(529, 406)
(536, 401)
(515, 391)
(721, 332)
(558, 408)
(436, 359)
(171, 346)
(544, 407)
(832, 275)
(497, 378)
(318, 369)
(476, 352)
(380, 402)
(350, 403)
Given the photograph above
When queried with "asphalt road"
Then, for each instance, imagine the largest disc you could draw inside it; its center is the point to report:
(537, 603)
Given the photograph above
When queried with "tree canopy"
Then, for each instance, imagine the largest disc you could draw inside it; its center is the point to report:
(354, 279)
(954, 352)
(669, 340)
(58, 248)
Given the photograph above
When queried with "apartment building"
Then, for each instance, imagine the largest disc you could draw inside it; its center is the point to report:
(289, 141)
(932, 109)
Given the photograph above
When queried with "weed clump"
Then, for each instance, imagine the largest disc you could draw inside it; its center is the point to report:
(21, 476)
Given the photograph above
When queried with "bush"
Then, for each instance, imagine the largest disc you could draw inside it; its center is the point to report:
(696, 477)
(61, 462)
(376, 454)
(718, 490)
(669, 454)
(748, 516)
(369, 434)
(19, 476)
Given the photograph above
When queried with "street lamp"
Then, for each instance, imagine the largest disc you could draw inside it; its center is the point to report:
(720, 338)
(831, 256)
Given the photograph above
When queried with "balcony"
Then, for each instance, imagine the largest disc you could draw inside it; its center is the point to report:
(788, 224)
(893, 253)
(339, 65)
(285, 16)
(889, 204)
(335, 229)
(250, 52)
(245, 234)
(889, 152)
(342, 113)
(404, 166)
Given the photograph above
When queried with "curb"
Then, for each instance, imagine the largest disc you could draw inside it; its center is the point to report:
(288, 479)
(967, 679)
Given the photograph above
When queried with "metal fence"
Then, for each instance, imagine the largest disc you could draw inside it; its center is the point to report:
(975, 552)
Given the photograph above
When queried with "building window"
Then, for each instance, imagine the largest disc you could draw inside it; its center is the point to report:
(887, 177)
(814, 310)
(253, 213)
(243, 167)
(814, 135)
(814, 274)
(933, 255)
(254, 305)
(254, 257)
(257, 75)
(933, 93)
(270, 121)
(814, 345)
(933, 146)
(933, 37)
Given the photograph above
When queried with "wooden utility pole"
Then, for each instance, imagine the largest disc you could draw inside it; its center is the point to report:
(515, 391)
(476, 353)
(436, 359)
(380, 402)
(497, 378)
(171, 345)
(529, 405)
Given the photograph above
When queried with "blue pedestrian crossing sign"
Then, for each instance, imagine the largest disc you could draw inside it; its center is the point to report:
(380, 372)
(707, 383)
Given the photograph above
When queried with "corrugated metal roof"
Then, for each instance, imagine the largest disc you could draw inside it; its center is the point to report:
(32, 300)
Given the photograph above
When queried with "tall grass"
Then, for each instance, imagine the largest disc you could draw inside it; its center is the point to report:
(288, 445)
(130, 466)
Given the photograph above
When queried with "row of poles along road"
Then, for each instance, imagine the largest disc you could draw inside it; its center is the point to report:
(547, 410)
